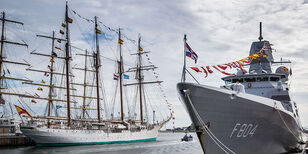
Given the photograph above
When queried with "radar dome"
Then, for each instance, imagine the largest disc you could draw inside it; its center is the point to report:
(283, 70)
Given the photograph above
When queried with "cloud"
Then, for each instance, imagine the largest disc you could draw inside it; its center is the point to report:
(219, 31)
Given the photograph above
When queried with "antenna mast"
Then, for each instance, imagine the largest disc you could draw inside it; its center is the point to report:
(260, 37)
(184, 67)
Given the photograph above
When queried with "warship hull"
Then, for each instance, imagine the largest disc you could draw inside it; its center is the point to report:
(68, 137)
(243, 122)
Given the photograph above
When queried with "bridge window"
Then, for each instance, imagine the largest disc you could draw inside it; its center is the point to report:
(260, 79)
(237, 80)
(274, 78)
(228, 81)
(249, 79)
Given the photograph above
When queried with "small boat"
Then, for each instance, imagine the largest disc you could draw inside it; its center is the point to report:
(187, 138)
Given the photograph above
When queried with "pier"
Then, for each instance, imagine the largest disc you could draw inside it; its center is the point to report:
(16, 141)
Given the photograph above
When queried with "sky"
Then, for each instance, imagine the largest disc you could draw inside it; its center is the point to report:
(219, 31)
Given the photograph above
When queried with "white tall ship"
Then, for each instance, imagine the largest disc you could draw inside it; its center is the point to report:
(55, 130)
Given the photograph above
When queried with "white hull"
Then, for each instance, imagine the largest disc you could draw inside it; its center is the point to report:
(50, 136)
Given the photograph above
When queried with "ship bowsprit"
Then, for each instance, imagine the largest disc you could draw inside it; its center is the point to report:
(243, 122)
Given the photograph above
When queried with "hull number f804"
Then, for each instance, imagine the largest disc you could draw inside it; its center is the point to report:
(243, 130)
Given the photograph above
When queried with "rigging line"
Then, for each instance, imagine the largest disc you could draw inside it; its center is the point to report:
(192, 76)
(12, 113)
(75, 47)
(147, 95)
(114, 98)
(135, 100)
(157, 107)
(284, 122)
(126, 99)
(104, 97)
(145, 105)
(166, 113)
(205, 127)
(84, 37)
(24, 103)
(111, 48)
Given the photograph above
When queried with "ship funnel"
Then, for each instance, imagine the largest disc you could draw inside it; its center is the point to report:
(260, 37)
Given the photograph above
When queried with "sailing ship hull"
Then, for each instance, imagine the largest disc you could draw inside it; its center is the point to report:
(66, 137)
(243, 122)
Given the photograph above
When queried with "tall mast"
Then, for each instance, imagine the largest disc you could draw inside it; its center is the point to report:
(1, 54)
(140, 78)
(120, 75)
(51, 86)
(2, 76)
(51, 76)
(84, 86)
(97, 66)
(184, 67)
(67, 60)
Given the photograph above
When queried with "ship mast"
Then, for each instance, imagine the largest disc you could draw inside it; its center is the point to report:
(51, 86)
(2, 76)
(67, 61)
(25, 81)
(84, 86)
(184, 66)
(2, 45)
(140, 78)
(97, 66)
(260, 36)
(120, 64)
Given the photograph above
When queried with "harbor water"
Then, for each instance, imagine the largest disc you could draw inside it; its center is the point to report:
(166, 143)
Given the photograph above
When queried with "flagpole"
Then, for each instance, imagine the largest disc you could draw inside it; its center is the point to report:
(184, 67)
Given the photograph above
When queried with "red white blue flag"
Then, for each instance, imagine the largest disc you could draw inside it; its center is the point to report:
(115, 77)
(190, 53)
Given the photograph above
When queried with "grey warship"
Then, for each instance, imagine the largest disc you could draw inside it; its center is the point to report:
(251, 113)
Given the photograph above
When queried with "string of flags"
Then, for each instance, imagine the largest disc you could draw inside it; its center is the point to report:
(107, 27)
(54, 54)
(125, 76)
(161, 89)
(98, 31)
(58, 48)
(223, 67)
(46, 74)
(121, 41)
(37, 95)
(116, 76)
